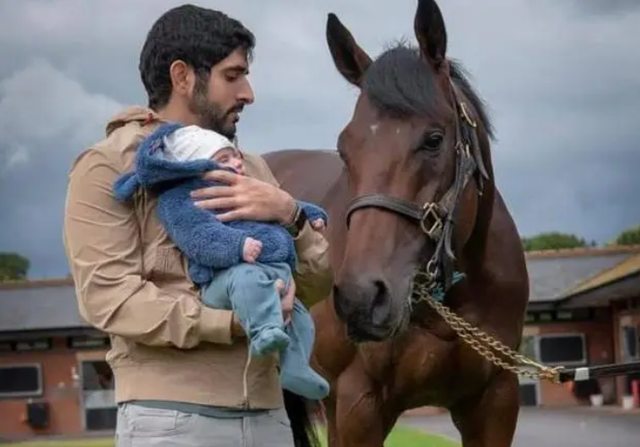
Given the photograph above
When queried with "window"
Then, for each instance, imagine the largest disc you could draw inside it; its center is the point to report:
(630, 343)
(545, 316)
(581, 314)
(88, 342)
(563, 349)
(43, 344)
(100, 409)
(20, 381)
(34, 345)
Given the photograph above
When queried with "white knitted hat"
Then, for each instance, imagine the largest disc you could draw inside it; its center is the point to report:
(194, 143)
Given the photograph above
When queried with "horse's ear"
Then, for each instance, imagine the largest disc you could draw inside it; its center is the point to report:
(431, 33)
(350, 60)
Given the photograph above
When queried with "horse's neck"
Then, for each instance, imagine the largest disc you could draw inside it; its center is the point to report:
(476, 246)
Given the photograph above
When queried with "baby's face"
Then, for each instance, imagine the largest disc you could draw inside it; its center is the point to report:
(229, 158)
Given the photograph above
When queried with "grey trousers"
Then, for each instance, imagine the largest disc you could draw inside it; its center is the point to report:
(139, 426)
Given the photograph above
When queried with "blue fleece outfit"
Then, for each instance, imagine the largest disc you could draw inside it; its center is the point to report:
(214, 250)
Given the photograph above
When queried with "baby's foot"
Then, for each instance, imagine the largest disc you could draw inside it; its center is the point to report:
(304, 382)
(269, 340)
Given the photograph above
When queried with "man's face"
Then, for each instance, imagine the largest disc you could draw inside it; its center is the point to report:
(218, 100)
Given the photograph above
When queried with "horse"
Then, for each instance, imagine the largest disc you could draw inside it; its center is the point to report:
(414, 210)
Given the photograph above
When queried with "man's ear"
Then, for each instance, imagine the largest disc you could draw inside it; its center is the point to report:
(182, 77)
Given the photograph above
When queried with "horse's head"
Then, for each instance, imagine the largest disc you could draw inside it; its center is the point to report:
(410, 149)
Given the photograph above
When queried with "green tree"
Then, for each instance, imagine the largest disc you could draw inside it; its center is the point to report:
(553, 240)
(629, 236)
(13, 266)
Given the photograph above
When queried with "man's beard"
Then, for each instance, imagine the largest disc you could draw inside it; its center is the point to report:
(211, 115)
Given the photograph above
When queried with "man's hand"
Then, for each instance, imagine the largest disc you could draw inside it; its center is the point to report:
(245, 198)
(286, 302)
(251, 250)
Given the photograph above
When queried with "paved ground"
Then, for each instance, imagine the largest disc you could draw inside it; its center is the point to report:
(555, 427)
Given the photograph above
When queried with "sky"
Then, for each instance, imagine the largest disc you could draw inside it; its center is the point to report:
(562, 80)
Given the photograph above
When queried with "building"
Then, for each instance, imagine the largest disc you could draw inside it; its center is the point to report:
(584, 309)
(53, 376)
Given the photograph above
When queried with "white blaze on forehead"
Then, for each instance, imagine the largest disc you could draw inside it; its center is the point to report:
(374, 128)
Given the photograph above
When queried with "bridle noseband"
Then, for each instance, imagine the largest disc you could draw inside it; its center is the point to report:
(436, 219)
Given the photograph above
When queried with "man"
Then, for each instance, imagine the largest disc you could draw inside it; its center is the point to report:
(182, 374)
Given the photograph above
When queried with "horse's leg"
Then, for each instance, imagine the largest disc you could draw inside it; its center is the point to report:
(330, 418)
(360, 411)
(490, 419)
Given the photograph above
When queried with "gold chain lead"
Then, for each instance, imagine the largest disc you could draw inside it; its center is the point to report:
(487, 346)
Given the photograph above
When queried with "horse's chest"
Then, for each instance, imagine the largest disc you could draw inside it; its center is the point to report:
(420, 369)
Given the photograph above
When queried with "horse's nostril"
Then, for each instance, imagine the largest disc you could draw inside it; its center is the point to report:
(380, 306)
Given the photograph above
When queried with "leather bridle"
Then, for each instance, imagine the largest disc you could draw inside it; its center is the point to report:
(436, 219)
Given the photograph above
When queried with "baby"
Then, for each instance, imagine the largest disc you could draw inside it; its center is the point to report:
(235, 264)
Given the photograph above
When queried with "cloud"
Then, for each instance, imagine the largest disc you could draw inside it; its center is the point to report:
(46, 119)
(599, 8)
(40, 103)
(560, 79)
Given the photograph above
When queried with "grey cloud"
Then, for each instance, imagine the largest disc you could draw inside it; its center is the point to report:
(599, 8)
(46, 119)
(561, 82)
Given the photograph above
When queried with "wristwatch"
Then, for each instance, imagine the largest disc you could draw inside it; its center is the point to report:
(297, 223)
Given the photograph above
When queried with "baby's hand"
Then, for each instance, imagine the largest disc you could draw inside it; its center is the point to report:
(318, 225)
(251, 250)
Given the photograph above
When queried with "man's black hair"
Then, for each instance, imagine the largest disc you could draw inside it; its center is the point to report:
(198, 36)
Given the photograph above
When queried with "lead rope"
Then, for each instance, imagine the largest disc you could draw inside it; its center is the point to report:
(482, 343)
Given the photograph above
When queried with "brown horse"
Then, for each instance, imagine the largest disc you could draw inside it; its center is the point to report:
(419, 135)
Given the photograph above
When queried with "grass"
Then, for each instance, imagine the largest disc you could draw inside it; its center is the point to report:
(400, 437)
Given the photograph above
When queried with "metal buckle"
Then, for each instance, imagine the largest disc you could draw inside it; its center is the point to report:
(465, 114)
(430, 211)
(432, 271)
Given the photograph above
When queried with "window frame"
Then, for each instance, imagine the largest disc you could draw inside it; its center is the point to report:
(585, 351)
(25, 394)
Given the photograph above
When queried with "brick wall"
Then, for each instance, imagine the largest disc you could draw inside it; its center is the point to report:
(59, 392)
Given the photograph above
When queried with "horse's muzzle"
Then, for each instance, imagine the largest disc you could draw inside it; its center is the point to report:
(367, 308)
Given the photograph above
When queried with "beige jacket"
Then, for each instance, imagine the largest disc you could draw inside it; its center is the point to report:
(131, 282)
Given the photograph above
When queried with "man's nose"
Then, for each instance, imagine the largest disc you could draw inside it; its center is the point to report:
(245, 93)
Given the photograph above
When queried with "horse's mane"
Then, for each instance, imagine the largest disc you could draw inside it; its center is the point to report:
(400, 84)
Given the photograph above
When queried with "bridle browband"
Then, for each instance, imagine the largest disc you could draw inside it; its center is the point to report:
(436, 219)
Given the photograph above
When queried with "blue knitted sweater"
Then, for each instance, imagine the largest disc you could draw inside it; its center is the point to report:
(208, 243)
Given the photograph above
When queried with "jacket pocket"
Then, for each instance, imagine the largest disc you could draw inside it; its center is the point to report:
(168, 265)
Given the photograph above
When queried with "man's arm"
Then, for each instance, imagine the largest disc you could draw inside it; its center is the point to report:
(102, 243)
(197, 232)
(313, 274)
(259, 197)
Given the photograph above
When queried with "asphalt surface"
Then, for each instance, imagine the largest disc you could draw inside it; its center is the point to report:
(537, 427)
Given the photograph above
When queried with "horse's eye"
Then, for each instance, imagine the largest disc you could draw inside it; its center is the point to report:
(432, 141)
